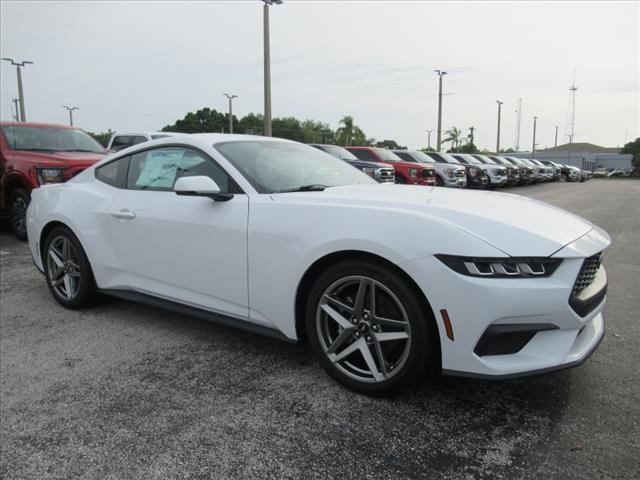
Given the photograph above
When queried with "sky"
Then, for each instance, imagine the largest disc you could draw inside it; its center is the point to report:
(142, 65)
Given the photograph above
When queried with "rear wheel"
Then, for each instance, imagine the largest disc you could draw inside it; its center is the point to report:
(18, 203)
(369, 329)
(67, 270)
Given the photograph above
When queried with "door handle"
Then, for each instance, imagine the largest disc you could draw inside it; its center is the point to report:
(124, 214)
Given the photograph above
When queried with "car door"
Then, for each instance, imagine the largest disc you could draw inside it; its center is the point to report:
(188, 249)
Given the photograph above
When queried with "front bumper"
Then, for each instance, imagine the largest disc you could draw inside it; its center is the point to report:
(475, 304)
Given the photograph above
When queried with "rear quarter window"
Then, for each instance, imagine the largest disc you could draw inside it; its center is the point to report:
(114, 173)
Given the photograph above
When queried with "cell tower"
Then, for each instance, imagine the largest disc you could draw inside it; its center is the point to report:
(518, 122)
(571, 110)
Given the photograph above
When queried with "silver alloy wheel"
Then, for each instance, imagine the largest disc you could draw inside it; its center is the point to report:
(63, 268)
(363, 329)
(19, 214)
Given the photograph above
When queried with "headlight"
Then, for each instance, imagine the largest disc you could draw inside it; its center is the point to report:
(49, 175)
(413, 172)
(509, 267)
(449, 172)
(496, 171)
(370, 171)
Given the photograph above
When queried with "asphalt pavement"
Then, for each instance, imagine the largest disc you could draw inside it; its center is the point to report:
(128, 391)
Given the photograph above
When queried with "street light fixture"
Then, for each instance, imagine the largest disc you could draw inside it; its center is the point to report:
(19, 65)
(230, 96)
(440, 73)
(71, 109)
(498, 139)
(267, 65)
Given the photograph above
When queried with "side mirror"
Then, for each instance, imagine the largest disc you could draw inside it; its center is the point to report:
(200, 186)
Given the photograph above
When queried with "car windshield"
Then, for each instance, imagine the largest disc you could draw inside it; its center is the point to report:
(470, 159)
(387, 155)
(442, 157)
(422, 158)
(484, 159)
(516, 161)
(278, 167)
(499, 161)
(338, 152)
(50, 139)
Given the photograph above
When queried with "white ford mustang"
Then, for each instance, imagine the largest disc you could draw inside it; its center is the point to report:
(385, 282)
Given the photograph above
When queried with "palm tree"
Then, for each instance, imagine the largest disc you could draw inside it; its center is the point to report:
(348, 131)
(453, 136)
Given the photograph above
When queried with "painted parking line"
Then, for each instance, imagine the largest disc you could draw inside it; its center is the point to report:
(2, 252)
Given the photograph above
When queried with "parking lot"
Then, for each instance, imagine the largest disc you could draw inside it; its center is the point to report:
(125, 390)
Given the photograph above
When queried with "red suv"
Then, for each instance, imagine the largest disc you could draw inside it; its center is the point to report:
(33, 154)
(410, 173)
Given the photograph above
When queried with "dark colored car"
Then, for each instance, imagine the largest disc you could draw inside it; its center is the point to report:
(514, 172)
(527, 173)
(34, 154)
(557, 169)
(381, 172)
(476, 176)
(409, 173)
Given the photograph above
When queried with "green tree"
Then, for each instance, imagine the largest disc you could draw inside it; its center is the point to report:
(468, 148)
(634, 149)
(390, 144)
(205, 120)
(251, 124)
(102, 137)
(349, 134)
(317, 132)
(287, 127)
(453, 135)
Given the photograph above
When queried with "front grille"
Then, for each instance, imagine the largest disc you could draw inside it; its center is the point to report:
(587, 273)
(386, 174)
(427, 172)
(461, 173)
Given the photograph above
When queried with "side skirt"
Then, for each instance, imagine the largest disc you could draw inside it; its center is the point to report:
(196, 312)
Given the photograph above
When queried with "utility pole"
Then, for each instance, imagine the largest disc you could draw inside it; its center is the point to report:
(571, 110)
(440, 75)
(15, 104)
(267, 65)
(518, 122)
(533, 148)
(230, 96)
(429, 139)
(498, 138)
(555, 147)
(19, 65)
(71, 109)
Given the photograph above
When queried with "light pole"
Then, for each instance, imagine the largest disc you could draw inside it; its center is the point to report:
(71, 109)
(440, 75)
(533, 148)
(19, 65)
(230, 96)
(429, 139)
(498, 139)
(267, 65)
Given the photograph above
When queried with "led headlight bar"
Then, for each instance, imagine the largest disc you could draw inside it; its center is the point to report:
(505, 267)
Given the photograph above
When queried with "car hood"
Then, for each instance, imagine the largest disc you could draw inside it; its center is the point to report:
(518, 226)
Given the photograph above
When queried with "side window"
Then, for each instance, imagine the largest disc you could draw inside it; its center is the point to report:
(138, 139)
(120, 142)
(364, 155)
(158, 169)
(114, 173)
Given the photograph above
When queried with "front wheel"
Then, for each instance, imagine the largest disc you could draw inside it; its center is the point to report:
(369, 329)
(439, 181)
(67, 270)
(18, 203)
(400, 180)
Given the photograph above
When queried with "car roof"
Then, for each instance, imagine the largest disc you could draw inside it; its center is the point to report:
(148, 133)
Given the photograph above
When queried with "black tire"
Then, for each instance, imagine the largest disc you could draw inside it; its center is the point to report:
(85, 294)
(439, 181)
(400, 180)
(18, 202)
(421, 352)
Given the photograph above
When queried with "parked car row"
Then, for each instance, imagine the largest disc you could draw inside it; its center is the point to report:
(35, 154)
